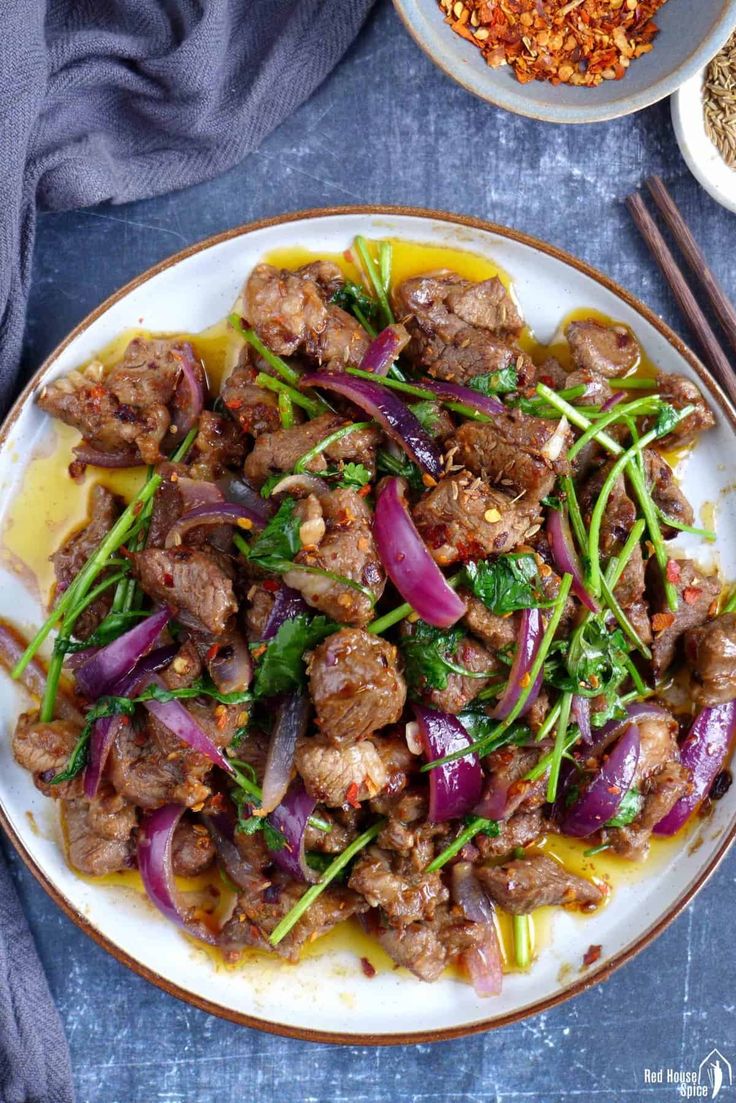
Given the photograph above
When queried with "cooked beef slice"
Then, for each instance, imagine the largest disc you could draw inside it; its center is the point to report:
(192, 850)
(519, 452)
(355, 685)
(150, 767)
(665, 492)
(347, 549)
(343, 829)
(461, 689)
(44, 749)
(610, 351)
(194, 583)
(257, 913)
(289, 313)
(525, 884)
(280, 450)
(261, 597)
(104, 510)
(463, 518)
(680, 392)
(340, 775)
(404, 896)
(100, 833)
(661, 792)
(508, 767)
(326, 274)
(219, 446)
(520, 830)
(710, 652)
(657, 746)
(254, 408)
(696, 596)
(494, 631)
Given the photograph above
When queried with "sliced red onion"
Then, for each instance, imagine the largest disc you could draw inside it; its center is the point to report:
(581, 712)
(704, 751)
(393, 415)
(454, 787)
(641, 710)
(155, 840)
(384, 349)
(601, 798)
(455, 392)
(287, 604)
(566, 557)
(484, 964)
(469, 894)
(291, 724)
(531, 630)
(612, 401)
(230, 667)
(95, 457)
(189, 395)
(242, 494)
(197, 492)
(105, 729)
(223, 513)
(107, 666)
(290, 818)
(301, 483)
(178, 720)
(408, 561)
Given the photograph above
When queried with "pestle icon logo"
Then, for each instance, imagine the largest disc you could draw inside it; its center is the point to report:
(715, 1072)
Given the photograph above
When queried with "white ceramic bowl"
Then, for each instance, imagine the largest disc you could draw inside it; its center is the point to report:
(328, 997)
(702, 157)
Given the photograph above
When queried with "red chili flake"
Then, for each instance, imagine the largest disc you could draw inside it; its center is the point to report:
(364, 491)
(592, 955)
(673, 571)
(368, 969)
(168, 580)
(660, 621)
(271, 585)
(691, 594)
(98, 391)
(351, 795)
(234, 403)
(212, 652)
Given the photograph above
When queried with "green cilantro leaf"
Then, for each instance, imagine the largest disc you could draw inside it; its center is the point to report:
(356, 300)
(667, 419)
(429, 656)
(628, 809)
(388, 464)
(507, 583)
(281, 666)
(427, 414)
(279, 540)
(354, 475)
(497, 382)
(108, 630)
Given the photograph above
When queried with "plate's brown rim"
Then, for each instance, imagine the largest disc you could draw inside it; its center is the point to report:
(656, 92)
(408, 1037)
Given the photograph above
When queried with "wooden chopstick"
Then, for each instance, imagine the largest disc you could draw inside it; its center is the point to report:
(688, 246)
(714, 356)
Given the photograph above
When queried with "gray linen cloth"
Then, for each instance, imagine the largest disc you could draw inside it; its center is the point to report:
(117, 100)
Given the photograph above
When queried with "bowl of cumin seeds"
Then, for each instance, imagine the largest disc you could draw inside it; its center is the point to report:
(704, 118)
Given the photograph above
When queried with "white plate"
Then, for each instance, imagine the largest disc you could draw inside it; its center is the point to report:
(329, 997)
(702, 157)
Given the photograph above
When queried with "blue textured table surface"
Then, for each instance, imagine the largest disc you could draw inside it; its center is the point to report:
(387, 127)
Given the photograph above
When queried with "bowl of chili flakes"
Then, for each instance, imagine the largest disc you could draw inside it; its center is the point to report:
(570, 61)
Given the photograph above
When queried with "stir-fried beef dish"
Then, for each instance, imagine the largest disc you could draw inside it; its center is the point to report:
(393, 609)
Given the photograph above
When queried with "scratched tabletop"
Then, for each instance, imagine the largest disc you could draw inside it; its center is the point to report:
(387, 127)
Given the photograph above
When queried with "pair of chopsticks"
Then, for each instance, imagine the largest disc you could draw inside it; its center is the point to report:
(713, 353)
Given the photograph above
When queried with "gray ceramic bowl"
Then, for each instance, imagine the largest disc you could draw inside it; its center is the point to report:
(691, 32)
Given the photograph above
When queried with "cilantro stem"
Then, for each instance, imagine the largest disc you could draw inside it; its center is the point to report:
(374, 276)
(312, 406)
(627, 627)
(617, 564)
(633, 383)
(549, 722)
(573, 510)
(593, 850)
(730, 606)
(542, 766)
(533, 673)
(401, 612)
(640, 406)
(385, 257)
(287, 373)
(522, 925)
(563, 724)
(706, 534)
(286, 410)
(256, 792)
(473, 828)
(322, 445)
(420, 392)
(293, 916)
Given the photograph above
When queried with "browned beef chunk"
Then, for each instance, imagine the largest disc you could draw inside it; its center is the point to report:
(522, 829)
(680, 392)
(355, 684)
(657, 746)
(193, 851)
(710, 652)
(597, 391)
(387, 881)
(193, 583)
(620, 512)
(168, 504)
(661, 792)
(461, 689)
(494, 631)
(255, 409)
(44, 749)
(150, 767)
(326, 274)
(696, 596)
(256, 914)
(100, 833)
(462, 518)
(459, 329)
(638, 615)
(184, 668)
(343, 829)
(610, 351)
(508, 767)
(417, 947)
(341, 775)
(148, 372)
(348, 549)
(280, 450)
(517, 451)
(219, 445)
(525, 884)
(406, 816)
(665, 492)
(290, 315)
(104, 510)
(261, 597)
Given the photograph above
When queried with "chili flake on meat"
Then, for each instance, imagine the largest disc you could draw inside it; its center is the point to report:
(581, 42)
